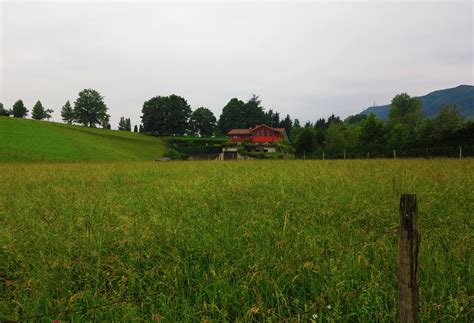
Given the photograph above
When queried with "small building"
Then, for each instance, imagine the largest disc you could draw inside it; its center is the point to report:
(260, 134)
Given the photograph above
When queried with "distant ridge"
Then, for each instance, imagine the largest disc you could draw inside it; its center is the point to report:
(462, 96)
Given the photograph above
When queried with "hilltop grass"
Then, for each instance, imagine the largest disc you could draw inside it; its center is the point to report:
(30, 140)
(251, 240)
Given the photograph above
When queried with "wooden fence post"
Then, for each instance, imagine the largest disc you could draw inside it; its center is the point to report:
(460, 152)
(408, 249)
(344, 154)
(323, 154)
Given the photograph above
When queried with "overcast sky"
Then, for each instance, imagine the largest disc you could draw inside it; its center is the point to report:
(305, 59)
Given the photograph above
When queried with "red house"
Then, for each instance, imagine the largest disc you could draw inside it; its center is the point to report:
(261, 134)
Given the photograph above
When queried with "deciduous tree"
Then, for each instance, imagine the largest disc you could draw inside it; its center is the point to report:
(90, 109)
(166, 116)
(202, 122)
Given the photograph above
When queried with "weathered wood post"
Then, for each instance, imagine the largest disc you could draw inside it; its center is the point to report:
(408, 249)
(304, 155)
(323, 154)
(394, 154)
(460, 152)
(344, 154)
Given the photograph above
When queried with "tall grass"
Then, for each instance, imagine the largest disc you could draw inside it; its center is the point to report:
(251, 240)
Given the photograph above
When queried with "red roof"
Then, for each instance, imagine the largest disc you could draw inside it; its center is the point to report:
(240, 132)
(250, 130)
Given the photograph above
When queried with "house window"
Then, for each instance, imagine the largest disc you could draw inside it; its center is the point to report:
(234, 137)
(261, 132)
(265, 132)
(271, 133)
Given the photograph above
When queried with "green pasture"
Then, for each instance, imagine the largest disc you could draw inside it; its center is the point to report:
(31, 140)
(238, 240)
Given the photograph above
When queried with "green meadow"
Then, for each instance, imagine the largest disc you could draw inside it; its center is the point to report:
(217, 241)
(24, 140)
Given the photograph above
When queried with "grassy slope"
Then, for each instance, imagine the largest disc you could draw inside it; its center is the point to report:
(31, 140)
(257, 240)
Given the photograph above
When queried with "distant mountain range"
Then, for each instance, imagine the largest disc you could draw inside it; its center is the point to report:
(462, 96)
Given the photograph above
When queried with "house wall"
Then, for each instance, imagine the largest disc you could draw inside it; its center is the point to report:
(240, 138)
(257, 138)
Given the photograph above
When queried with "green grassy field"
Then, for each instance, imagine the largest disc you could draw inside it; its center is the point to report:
(249, 240)
(31, 140)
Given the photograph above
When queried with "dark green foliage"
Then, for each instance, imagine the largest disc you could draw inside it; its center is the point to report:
(174, 154)
(4, 112)
(405, 110)
(287, 123)
(372, 136)
(106, 124)
(39, 113)
(67, 113)
(19, 110)
(239, 115)
(355, 119)
(90, 109)
(305, 142)
(202, 122)
(399, 136)
(125, 124)
(135, 128)
(448, 117)
(166, 115)
(232, 116)
(272, 118)
(140, 129)
(194, 146)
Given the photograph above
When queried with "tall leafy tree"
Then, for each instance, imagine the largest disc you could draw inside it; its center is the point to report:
(305, 142)
(321, 127)
(232, 116)
(67, 113)
(38, 112)
(202, 122)
(372, 135)
(406, 110)
(135, 128)
(166, 115)
(426, 132)
(399, 136)
(335, 137)
(90, 109)
(19, 110)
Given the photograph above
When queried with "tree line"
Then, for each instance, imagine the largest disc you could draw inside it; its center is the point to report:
(406, 128)
(406, 131)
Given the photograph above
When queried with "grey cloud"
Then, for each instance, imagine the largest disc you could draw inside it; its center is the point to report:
(306, 59)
